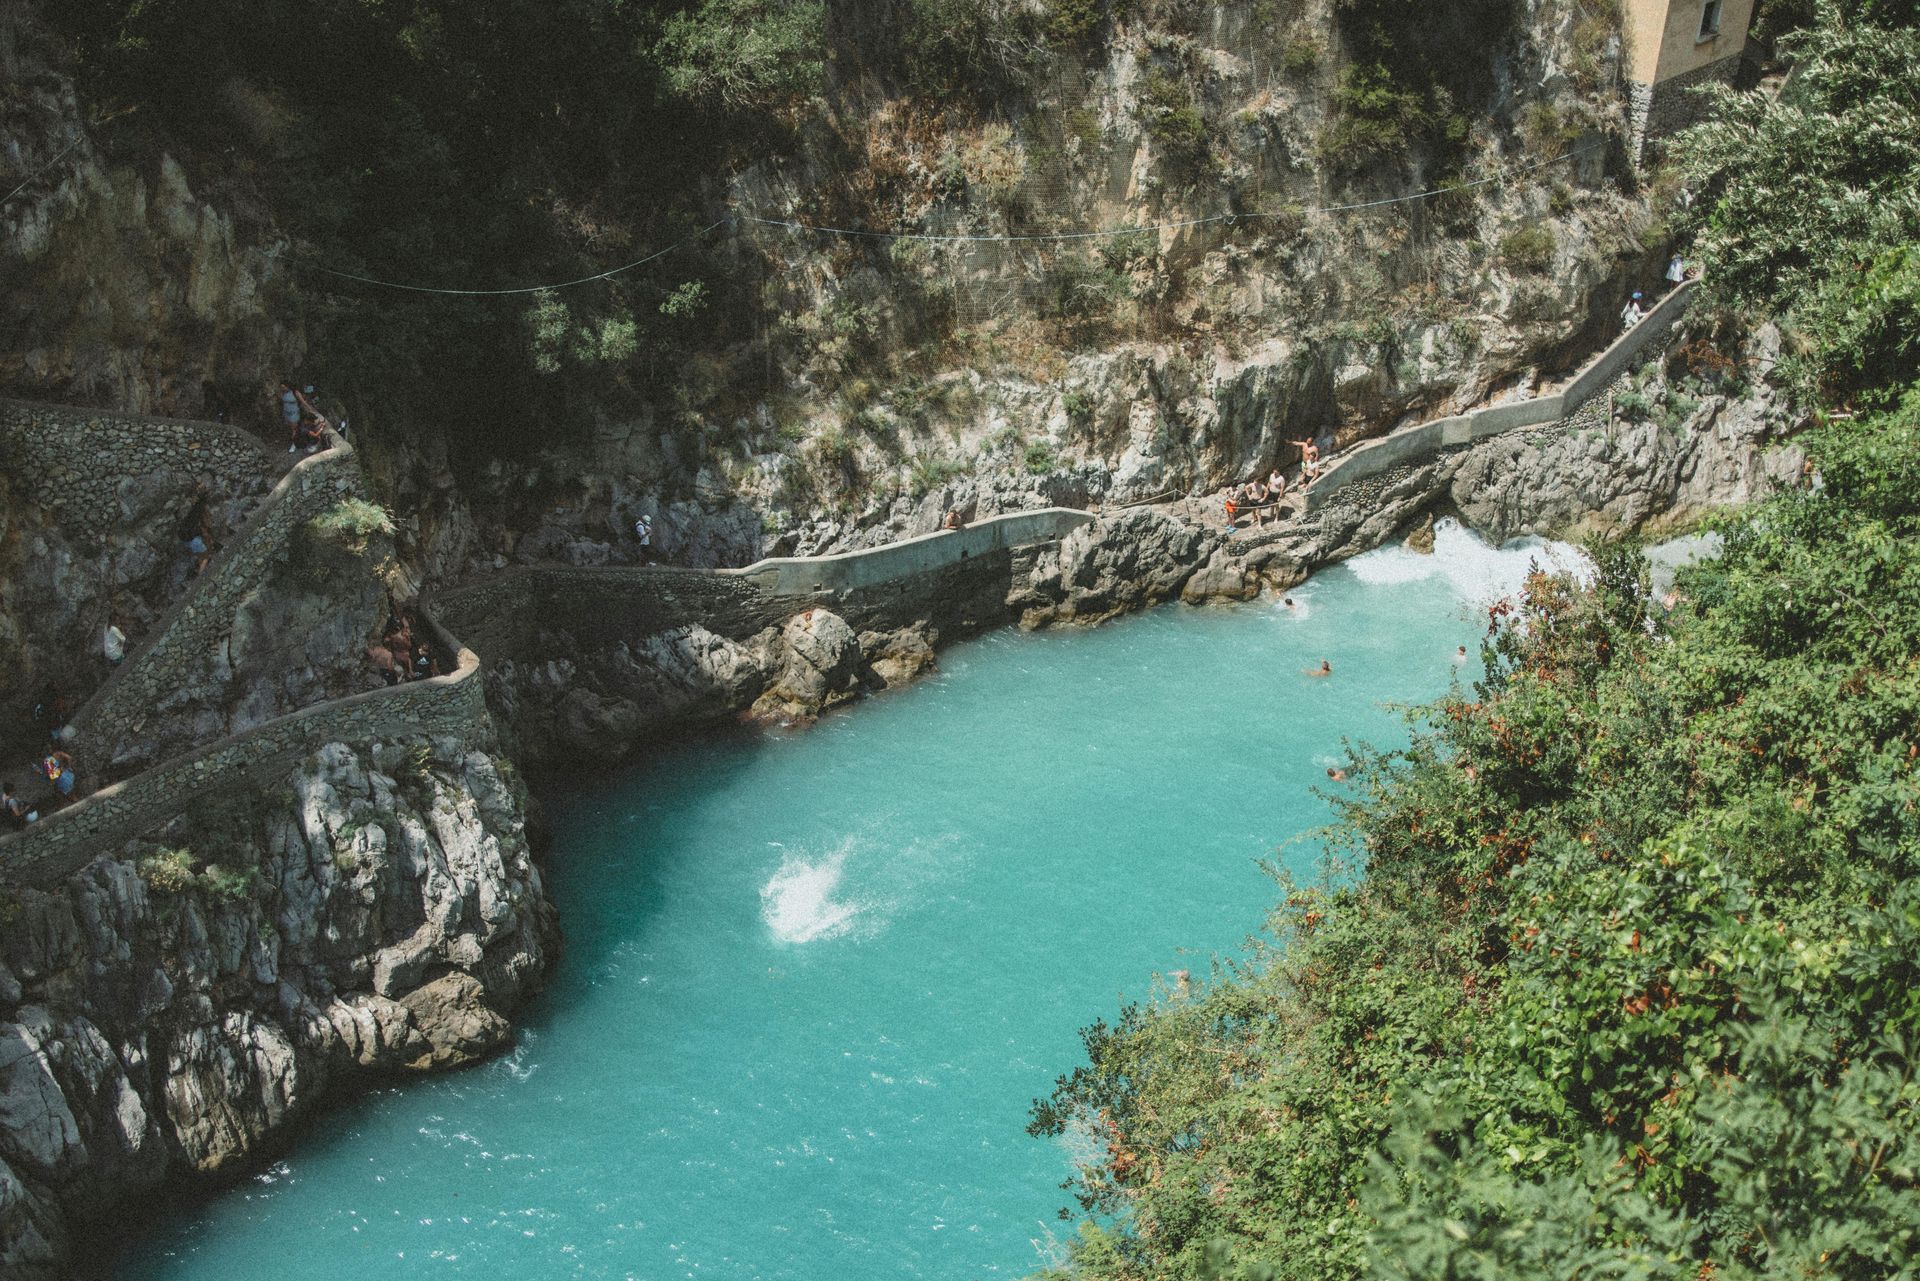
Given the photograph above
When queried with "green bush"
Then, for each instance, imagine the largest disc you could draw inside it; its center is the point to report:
(745, 53)
(1633, 406)
(1123, 250)
(1040, 458)
(929, 474)
(1301, 56)
(230, 883)
(1627, 988)
(353, 521)
(1529, 248)
(171, 871)
(1171, 118)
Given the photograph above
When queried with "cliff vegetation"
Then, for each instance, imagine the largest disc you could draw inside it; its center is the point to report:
(1627, 986)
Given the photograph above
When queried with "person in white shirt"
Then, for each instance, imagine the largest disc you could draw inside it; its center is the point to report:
(1631, 314)
(1677, 271)
(113, 642)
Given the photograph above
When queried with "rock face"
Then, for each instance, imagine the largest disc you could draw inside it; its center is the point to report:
(124, 286)
(1116, 564)
(170, 1013)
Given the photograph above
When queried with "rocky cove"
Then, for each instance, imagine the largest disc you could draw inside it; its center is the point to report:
(181, 1005)
(294, 885)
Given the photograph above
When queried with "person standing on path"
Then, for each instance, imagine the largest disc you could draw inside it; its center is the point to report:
(290, 414)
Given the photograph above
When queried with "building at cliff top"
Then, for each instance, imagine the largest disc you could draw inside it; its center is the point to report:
(1671, 46)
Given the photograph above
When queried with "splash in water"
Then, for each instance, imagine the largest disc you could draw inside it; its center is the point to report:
(798, 903)
(1477, 571)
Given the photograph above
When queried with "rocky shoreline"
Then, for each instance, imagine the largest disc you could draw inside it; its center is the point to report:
(175, 1014)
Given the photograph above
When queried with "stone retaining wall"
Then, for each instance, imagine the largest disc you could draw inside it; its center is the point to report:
(66, 840)
(877, 587)
(1421, 441)
(203, 615)
(75, 459)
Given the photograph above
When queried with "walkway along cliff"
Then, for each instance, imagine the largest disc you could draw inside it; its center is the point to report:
(193, 957)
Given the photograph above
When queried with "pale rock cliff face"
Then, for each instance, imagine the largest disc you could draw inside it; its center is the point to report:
(124, 287)
(160, 1022)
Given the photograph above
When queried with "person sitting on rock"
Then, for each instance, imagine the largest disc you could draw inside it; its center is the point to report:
(423, 664)
(952, 520)
(382, 660)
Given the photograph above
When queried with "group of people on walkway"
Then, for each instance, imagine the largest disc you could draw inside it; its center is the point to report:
(1678, 273)
(397, 656)
(1263, 498)
(404, 659)
(306, 425)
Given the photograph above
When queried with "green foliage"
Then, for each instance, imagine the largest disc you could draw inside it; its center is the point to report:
(1631, 986)
(1083, 292)
(171, 871)
(1817, 201)
(1530, 247)
(1040, 458)
(1172, 119)
(1125, 250)
(231, 884)
(1301, 56)
(1420, 72)
(1375, 116)
(354, 521)
(746, 53)
(687, 301)
(1633, 406)
(931, 473)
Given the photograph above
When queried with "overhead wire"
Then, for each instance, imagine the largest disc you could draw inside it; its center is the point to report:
(1056, 236)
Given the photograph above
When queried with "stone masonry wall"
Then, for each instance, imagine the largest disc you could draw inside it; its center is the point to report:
(75, 459)
(938, 576)
(65, 841)
(197, 621)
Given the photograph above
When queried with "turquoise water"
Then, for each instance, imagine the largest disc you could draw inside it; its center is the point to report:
(814, 980)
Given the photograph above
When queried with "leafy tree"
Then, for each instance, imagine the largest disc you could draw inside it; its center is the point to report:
(1815, 200)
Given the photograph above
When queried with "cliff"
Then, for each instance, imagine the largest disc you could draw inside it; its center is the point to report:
(166, 1016)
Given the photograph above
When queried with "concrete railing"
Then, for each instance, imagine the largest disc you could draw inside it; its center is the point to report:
(804, 575)
(1412, 444)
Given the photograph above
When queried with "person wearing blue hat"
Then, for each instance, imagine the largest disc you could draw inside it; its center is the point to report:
(1631, 314)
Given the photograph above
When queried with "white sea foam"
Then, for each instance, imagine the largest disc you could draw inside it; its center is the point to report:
(798, 903)
(1478, 571)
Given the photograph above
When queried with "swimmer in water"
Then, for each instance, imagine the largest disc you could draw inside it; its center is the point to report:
(1460, 655)
(1325, 669)
(1288, 602)
(1337, 774)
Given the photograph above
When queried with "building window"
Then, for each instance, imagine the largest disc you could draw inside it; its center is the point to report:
(1710, 20)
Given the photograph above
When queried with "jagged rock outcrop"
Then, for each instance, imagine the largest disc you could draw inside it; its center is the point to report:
(1115, 564)
(170, 1013)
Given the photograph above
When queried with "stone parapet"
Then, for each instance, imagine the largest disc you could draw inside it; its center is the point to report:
(175, 645)
(66, 840)
(75, 460)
